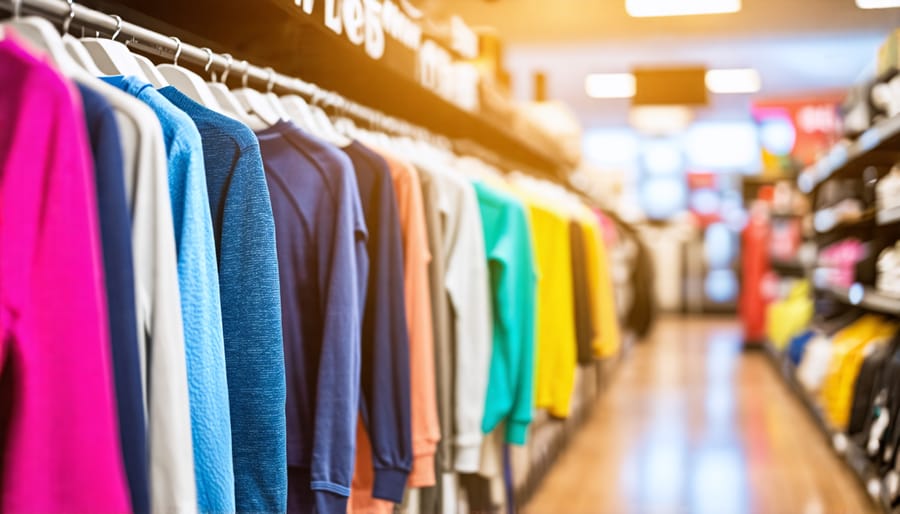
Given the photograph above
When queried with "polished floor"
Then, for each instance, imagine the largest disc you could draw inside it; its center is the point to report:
(691, 424)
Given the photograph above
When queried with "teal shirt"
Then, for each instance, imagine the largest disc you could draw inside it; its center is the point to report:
(511, 267)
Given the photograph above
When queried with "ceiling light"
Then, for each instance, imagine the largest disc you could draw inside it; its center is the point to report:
(877, 4)
(733, 81)
(610, 85)
(651, 8)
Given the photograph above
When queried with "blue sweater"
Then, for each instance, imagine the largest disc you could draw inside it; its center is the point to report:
(323, 266)
(198, 282)
(385, 342)
(115, 234)
(251, 304)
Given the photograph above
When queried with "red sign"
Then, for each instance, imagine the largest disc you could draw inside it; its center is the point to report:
(816, 125)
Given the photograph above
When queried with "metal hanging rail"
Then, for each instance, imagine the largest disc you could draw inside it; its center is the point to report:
(145, 40)
(148, 41)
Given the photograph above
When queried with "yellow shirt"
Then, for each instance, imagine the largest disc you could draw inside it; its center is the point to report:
(607, 339)
(848, 352)
(556, 355)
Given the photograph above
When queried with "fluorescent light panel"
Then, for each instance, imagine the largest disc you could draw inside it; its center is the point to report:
(610, 85)
(737, 81)
(653, 8)
(622, 85)
(877, 4)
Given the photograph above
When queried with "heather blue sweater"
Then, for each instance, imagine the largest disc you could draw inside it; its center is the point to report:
(322, 262)
(251, 304)
(115, 234)
(198, 281)
(386, 407)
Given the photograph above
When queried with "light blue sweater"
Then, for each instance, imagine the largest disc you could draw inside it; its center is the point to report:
(198, 281)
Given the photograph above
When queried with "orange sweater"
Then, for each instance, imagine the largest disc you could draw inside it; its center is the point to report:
(426, 432)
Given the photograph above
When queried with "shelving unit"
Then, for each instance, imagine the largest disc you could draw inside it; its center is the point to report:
(850, 453)
(866, 297)
(880, 145)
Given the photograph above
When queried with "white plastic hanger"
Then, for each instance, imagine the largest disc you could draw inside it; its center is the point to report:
(298, 111)
(188, 82)
(254, 102)
(323, 123)
(112, 57)
(42, 35)
(153, 75)
(272, 98)
(80, 54)
(227, 101)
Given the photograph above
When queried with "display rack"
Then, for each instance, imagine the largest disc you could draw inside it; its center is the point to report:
(878, 146)
(853, 457)
(864, 297)
(276, 33)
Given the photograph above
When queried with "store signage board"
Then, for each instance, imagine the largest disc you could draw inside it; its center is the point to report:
(384, 31)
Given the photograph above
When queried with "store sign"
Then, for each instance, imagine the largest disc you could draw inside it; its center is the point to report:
(797, 130)
(369, 23)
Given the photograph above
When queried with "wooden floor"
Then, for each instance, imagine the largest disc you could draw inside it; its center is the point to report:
(691, 424)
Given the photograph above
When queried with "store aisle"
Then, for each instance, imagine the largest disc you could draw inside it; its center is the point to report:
(691, 424)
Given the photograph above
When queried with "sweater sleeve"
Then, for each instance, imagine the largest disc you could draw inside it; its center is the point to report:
(386, 383)
(426, 431)
(562, 321)
(251, 307)
(468, 287)
(522, 410)
(172, 485)
(337, 388)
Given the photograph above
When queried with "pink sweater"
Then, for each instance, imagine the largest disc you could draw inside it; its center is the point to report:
(61, 451)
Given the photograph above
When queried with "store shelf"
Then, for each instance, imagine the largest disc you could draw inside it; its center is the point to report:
(866, 297)
(791, 268)
(850, 453)
(880, 145)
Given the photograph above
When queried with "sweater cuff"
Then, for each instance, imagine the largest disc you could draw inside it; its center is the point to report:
(390, 484)
(468, 458)
(423, 472)
(516, 432)
(329, 501)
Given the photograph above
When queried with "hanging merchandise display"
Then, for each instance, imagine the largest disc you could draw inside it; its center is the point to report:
(242, 300)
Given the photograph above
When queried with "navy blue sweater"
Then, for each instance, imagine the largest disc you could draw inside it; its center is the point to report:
(244, 232)
(321, 237)
(115, 235)
(385, 341)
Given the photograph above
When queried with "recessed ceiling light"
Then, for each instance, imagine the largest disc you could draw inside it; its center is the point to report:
(651, 8)
(736, 81)
(610, 85)
(877, 4)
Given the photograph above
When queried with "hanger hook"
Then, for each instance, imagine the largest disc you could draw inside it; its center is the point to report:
(177, 50)
(118, 25)
(270, 83)
(17, 9)
(209, 59)
(229, 60)
(71, 16)
(246, 72)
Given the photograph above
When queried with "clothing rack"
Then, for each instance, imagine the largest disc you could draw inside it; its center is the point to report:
(148, 41)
